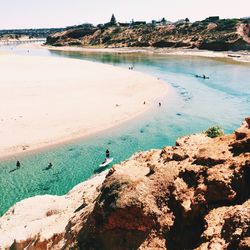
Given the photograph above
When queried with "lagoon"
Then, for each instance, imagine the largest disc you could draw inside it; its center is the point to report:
(192, 105)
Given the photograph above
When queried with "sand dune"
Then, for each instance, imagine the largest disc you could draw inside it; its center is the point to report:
(46, 100)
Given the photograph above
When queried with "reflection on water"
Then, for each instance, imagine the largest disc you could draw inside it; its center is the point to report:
(192, 105)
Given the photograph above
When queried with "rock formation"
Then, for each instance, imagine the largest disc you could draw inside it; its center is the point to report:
(220, 35)
(194, 195)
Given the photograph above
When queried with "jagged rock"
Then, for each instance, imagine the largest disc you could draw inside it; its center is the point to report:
(244, 243)
(243, 131)
(242, 144)
(226, 227)
(194, 195)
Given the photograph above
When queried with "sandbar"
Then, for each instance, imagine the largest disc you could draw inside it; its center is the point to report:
(45, 100)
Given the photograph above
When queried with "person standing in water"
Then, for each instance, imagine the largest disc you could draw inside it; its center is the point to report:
(107, 154)
(18, 164)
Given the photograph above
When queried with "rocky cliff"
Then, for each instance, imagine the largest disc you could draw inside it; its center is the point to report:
(194, 195)
(220, 35)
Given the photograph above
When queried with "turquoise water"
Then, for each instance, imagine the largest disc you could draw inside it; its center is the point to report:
(191, 106)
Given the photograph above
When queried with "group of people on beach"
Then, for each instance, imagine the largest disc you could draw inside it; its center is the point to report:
(158, 103)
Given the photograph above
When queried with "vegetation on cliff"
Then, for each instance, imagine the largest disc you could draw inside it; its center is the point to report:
(211, 34)
(214, 131)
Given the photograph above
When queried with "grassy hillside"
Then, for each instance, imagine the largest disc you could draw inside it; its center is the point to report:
(219, 35)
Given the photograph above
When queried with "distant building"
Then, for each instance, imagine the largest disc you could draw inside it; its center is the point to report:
(181, 21)
(163, 21)
(124, 24)
(137, 23)
(212, 19)
(100, 26)
(154, 22)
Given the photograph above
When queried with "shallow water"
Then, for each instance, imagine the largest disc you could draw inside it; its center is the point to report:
(192, 105)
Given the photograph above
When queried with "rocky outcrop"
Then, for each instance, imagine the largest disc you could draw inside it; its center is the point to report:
(194, 195)
(227, 228)
(220, 35)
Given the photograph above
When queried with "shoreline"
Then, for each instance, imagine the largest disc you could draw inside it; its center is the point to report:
(238, 56)
(130, 88)
(68, 203)
(69, 139)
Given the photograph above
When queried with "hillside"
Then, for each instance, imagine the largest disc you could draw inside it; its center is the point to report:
(218, 35)
(194, 195)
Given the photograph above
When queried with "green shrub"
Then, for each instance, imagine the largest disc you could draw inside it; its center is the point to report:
(227, 24)
(106, 39)
(116, 31)
(214, 131)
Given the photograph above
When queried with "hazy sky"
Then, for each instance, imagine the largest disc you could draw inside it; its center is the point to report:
(61, 13)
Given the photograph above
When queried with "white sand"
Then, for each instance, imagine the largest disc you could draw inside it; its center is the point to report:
(46, 100)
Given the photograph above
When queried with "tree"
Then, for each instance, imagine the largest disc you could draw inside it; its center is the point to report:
(113, 20)
(87, 26)
(187, 20)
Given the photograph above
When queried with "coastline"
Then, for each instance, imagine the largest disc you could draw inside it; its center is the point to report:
(97, 112)
(60, 207)
(40, 147)
(55, 222)
(238, 56)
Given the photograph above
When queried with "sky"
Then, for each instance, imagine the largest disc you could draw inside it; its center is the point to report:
(62, 13)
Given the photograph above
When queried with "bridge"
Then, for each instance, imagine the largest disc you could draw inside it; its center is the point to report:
(17, 42)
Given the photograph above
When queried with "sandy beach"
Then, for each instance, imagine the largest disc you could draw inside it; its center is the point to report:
(45, 101)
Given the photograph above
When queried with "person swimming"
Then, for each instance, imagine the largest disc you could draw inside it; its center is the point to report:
(49, 166)
(203, 76)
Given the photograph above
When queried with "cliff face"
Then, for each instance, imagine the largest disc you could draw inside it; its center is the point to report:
(194, 195)
(222, 35)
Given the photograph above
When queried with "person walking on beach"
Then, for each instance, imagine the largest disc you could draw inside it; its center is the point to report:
(18, 164)
(159, 104)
